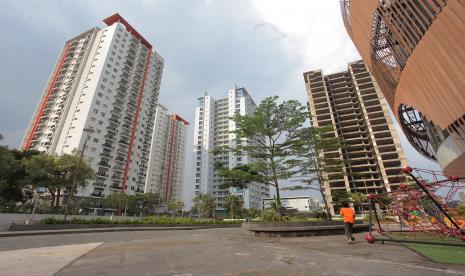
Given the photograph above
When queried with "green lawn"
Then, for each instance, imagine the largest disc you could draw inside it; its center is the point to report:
(439, 253)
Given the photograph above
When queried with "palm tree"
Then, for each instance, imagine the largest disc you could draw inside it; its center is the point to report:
(205, 204)
(232, 203)
(176, 206)
(358, 198)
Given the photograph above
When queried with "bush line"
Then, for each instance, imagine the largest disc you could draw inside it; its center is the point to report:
(147, 220)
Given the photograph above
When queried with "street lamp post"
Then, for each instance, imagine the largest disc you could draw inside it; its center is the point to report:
(88, 131)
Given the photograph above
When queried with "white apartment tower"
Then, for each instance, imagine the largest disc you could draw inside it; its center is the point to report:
(213, 129)
(107, 81)
(166, 163)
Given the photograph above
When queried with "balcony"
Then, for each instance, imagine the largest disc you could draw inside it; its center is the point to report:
(115, 187)
(104, 164)
(94, 194)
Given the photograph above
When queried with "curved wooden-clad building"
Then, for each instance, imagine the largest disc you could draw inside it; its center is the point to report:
(416, 51)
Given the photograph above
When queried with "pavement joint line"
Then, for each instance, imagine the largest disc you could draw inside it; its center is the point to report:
(368, 259)
(78, 258)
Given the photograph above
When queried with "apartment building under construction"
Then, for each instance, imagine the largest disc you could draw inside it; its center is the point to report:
(352, 103)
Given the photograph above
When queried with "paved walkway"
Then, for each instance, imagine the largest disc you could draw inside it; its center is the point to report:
(222, 252)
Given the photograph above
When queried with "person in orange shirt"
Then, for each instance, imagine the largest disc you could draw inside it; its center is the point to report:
(349, 218)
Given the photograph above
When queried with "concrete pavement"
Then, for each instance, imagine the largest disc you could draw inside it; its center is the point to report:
(230, 252)
(42, 260)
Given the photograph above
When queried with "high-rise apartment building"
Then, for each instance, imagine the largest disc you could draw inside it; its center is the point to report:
(352, 103)
(166, 163)
(415, 49)
(107, 81)
(213, 129)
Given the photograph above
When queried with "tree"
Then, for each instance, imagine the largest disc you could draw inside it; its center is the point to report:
(14, 185)
(238, 177)
(313, 167)
(340, 197)
(267, 136)
(9, 167)
(205, 204)
(233, 203)
(358, 199)
(117, 200)
(149, 201)
(175, 206)
(56, 174)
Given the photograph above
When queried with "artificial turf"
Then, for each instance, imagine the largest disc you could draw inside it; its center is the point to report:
(447, 254)
(440, 253)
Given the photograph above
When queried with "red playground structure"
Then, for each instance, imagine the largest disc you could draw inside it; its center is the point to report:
(424, 208)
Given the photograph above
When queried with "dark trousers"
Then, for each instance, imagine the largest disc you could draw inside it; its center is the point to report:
(348, 229)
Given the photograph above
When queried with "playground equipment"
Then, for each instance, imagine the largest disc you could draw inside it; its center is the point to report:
(422, 209)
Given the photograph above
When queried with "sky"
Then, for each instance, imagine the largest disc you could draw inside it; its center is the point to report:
(208, 46)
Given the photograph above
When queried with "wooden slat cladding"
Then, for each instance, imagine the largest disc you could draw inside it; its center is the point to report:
(416, 51)
(345, 11)
(398, 27)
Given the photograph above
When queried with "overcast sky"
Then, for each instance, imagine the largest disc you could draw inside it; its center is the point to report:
(208, 46)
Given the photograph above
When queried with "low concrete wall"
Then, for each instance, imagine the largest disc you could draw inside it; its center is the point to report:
(300, 229)
(36, 227)
(7, 218)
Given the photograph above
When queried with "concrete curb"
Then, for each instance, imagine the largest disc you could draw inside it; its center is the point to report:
(282, 230)
(113, 229)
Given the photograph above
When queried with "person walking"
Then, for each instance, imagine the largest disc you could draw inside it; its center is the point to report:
(349, 218)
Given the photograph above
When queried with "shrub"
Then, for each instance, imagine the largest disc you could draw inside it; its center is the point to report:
(270, 215)
(164, 220)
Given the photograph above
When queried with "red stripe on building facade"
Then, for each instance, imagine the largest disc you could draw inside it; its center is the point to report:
(136, 119)
(28, 143)
(174, 118)
(168, 175)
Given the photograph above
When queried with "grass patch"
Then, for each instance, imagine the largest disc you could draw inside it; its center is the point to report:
(447, 254)
(440, 253)
(163, 220)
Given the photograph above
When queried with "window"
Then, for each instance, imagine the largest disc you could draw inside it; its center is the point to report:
(95, 140)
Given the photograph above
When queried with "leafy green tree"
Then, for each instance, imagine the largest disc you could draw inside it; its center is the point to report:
(9, 167)
(313, 167)
(205, 205)
(14, 185)
(176, 206)
(117, 200)
(233, 203)
(56, 173)
(238, 177)
(267, 136)
(358, 199)
(149, 201)
(340, 197)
